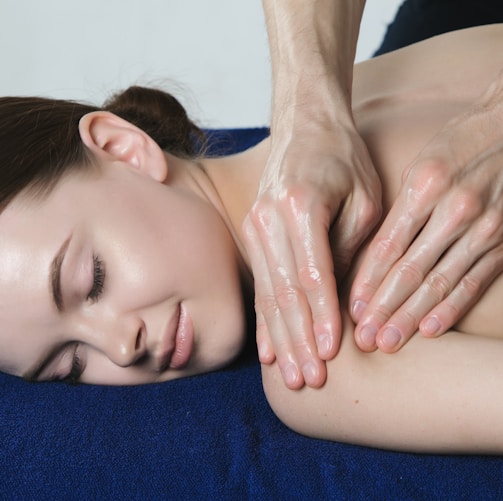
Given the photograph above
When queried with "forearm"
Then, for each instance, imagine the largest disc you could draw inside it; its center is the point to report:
(312, 45)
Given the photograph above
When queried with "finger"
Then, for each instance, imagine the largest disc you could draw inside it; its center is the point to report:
(481, 237)
(265, 348)
(316, 278)
(447, 223)
(262, 289)
(291, 302)
(278, 297)
(466, 294)
(436, 286)
(317, 282)
(403, 280)
(354, 223)
(412, 208)
(271, 335)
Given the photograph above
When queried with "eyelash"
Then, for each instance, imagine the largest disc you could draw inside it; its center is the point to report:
(98, 280)
(76, 369)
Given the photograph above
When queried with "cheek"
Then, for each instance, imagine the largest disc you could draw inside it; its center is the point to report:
(28, 333)
(201, 251)
(180, 246)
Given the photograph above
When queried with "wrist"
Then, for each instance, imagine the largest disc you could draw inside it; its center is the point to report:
(297, 109)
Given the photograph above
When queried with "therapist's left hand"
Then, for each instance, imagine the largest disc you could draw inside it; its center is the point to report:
(315, 180)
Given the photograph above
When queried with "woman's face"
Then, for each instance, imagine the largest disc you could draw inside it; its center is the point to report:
(119, 277)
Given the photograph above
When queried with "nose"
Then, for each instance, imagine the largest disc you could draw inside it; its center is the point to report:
(123, 342)
(128, 347)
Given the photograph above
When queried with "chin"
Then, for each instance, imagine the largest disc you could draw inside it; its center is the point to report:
(227, 348)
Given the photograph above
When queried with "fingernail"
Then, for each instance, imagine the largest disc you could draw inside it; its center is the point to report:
(431, 326)
(324, 344)
(391, 337)
(290, 374)
(358, 308)
(310, 371)
(368, 335)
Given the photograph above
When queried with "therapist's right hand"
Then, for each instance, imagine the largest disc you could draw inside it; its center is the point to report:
(441, 245)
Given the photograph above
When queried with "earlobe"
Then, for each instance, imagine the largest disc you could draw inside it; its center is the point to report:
(110, 137)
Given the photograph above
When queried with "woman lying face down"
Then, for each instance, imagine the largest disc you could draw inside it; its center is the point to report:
(125, 271)
(121, 256)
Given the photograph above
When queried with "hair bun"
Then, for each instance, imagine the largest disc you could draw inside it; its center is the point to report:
(161, 116)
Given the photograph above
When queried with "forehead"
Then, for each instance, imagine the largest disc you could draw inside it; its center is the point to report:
(30, 236)
(32, 225)
(27, 248)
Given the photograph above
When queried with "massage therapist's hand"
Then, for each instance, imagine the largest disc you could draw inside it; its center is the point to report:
(318, 172)
(313, 180)
(441, 244)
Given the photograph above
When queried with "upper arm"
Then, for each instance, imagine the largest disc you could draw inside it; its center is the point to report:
(435, 395)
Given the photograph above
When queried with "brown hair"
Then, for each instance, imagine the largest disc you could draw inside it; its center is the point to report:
(40, 140)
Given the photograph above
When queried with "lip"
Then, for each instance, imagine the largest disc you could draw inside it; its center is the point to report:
(184, 340)
(176, 342)
(167, 342)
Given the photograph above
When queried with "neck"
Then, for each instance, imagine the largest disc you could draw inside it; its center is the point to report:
(231, 186)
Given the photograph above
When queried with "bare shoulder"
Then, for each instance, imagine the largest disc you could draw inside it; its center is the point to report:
(434, 395)
(460, 61)
(343, 400)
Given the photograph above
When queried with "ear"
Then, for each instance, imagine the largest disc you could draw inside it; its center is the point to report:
(110, 138)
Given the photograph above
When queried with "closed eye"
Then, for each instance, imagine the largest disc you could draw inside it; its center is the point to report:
(98, 279)
(76, 369)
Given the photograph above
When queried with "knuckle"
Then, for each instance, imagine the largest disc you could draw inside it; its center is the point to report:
(471, 286)
(490, 226)
(450, 312)
(385, 250)
(300, 344)
(409, 273)
(382, 312)
(291, 199)
(295, 191)
(260, 213)
(438, 284)
(267, 305)
(466, 204)
(429, 175)
(295, 199)
(248, 229)
(434, 170)
(286, 296)
(409, 318)
(427, 181)
(310, 278)
(369, 213)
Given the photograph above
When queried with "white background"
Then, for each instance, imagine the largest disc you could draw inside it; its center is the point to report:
(213, 54)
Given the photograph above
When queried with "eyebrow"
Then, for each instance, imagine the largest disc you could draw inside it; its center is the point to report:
(55, 288)
(55, 275)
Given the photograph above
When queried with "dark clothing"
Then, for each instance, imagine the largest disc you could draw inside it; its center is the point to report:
(419, 19)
